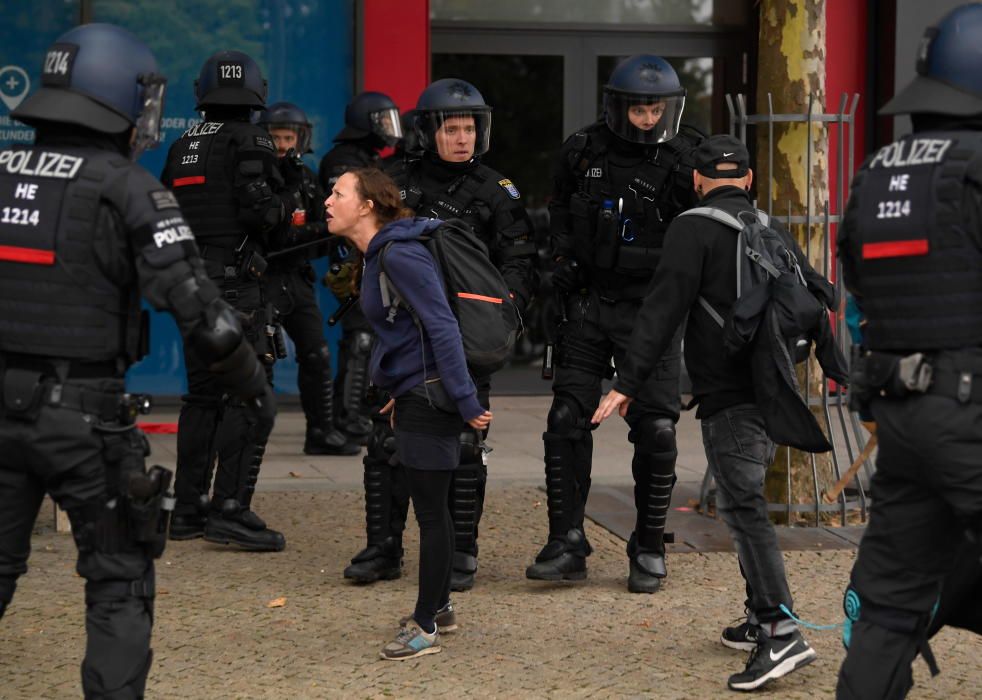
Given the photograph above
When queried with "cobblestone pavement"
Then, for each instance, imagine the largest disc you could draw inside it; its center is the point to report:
(217, 637)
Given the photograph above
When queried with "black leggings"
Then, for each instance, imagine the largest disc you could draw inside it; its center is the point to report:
(430, 490)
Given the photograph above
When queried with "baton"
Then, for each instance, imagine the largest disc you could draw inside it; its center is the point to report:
(342, 310)
(295, 248)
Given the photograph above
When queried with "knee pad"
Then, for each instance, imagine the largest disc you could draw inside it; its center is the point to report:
(565, 418)
(656, 434)
(318, 359)
(471, 448)
(359, 343)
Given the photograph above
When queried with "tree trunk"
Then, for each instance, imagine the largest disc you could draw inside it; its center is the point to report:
(791, 69)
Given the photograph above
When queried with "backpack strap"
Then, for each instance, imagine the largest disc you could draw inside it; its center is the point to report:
(391, 299)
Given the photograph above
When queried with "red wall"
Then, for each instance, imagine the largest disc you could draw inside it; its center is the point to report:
(396, 49)
(845, 71)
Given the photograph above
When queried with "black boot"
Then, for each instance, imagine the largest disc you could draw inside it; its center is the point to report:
(653, 468)
(187, 524)
(317, 400)
(647, 569)
(376, 562)
(562, 559)
(236, 524)
(466, 506)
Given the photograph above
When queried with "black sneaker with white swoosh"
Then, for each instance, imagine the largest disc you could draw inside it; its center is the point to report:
(773, 657)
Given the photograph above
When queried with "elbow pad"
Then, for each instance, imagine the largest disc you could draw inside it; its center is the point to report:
(221, 345)
(217, 336)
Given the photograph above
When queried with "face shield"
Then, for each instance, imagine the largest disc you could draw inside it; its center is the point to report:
(645, 119)
(147, 128)
(301, 130)
(386, 125)
(453, 133)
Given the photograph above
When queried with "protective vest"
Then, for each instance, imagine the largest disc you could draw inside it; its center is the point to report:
(918, 264)
(58, 234)
(627, 241)
(197, 171)
(466, 198)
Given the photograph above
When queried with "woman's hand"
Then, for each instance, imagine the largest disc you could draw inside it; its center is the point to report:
(390, 408)
(482, 421)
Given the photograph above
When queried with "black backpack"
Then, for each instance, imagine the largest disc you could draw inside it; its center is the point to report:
(478, 295)
(767, 272)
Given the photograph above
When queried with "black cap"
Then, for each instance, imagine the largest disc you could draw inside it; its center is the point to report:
(722, 148)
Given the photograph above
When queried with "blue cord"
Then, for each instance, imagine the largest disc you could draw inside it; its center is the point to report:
(809, 625)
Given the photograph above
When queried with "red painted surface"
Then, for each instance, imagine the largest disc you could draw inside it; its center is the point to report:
(396, 49)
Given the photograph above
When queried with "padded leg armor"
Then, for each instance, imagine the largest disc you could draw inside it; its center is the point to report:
(317, 399)
(386, 509)
(568, 446)
(241, 445)
(653, 467)
(353, 385)
(467, 489)
(197, 425)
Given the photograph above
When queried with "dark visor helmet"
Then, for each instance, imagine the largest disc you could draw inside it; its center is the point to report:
(446, 99)
(286, 115)
(101, 77)
(949, 68)
(371, 113)
(230, 78)
(649, 85)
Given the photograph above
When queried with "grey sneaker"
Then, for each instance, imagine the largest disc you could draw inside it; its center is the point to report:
(410, 642)
(446, 619)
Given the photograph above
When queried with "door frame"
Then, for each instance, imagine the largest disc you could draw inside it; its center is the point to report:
(580, 47)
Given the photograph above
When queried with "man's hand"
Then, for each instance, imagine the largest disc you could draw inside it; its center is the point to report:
(615, 400)
(390, 408)
(340, 279)
(482, 421)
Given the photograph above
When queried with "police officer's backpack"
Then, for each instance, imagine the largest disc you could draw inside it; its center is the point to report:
(478, 295)
(767, 272)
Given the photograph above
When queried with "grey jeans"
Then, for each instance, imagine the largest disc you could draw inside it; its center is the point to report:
(739, 452)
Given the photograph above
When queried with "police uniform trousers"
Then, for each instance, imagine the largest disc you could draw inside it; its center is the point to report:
(81, 459)
(351, 382)
(291, 291)
(212, 423)
(594, 332)
(927, 498)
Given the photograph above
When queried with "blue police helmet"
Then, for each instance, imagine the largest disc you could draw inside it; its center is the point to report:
(230, 78)
(448, 98)
(371, 113)
(949, 68)
(286, 115)
(643, 100)
(101, 77)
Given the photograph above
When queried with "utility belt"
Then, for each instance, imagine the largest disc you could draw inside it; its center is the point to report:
(956, 375)
(27, 390)
(244, 262)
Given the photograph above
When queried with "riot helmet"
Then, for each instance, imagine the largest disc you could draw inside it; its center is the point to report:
(371, 113)
(410, 140)
(643, 100)
(230, 78)
(101, 77)
(452, 105)
(288, 117)
(949, 79)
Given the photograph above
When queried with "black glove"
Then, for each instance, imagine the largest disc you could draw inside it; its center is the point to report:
(262, 408)
(567, 276)
(291, 167)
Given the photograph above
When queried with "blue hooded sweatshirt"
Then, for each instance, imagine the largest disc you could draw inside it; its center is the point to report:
(397, 363)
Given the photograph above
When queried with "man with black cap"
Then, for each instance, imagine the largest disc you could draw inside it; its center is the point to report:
(911, 251)
(697, 264)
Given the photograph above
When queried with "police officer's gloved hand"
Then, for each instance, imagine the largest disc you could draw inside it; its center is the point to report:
(291, 167)
(567, 276)
(340, 279)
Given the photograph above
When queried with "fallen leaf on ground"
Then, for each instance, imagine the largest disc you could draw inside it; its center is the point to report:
(296, 475)
(276, 603)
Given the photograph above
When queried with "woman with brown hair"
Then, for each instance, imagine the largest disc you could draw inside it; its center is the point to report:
(424, 370)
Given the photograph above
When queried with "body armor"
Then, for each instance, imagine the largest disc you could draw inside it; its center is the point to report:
(62, 292)
(918, 263)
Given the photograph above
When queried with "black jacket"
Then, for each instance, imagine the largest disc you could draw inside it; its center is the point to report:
(698, 260)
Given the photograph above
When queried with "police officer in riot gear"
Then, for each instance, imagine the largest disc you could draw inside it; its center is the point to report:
(453, 124)
(289, 279)
(225, 175)
(92, 232)
(618, 184)
(911, 250)
(371, 123)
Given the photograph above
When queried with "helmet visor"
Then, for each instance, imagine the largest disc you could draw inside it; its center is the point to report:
(454, 135)
(386, 125)
(302, 132)
(646, 119)
(147, 127)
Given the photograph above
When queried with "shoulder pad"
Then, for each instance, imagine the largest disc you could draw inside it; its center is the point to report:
(691, 134)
